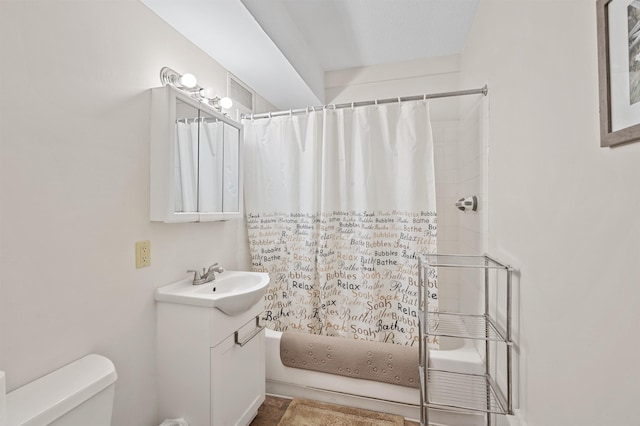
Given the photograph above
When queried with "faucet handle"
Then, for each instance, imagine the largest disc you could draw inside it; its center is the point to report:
(196, 274)
(212, 268)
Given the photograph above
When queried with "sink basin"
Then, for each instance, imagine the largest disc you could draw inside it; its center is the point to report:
(232, 292)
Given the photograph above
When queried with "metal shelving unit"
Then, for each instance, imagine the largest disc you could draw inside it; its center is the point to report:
(458, 391)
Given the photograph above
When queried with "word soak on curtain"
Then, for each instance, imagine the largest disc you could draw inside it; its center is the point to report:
(339, 204)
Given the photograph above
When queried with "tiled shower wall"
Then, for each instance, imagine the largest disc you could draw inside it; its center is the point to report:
(461, 158)
(472, 175)
(446, 136)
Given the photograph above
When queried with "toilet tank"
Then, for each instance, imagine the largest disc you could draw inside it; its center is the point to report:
(78, 394)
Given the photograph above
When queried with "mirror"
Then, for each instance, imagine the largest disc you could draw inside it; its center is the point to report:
(211, 154)
(231, 178)
(196, 160)
(185, 176)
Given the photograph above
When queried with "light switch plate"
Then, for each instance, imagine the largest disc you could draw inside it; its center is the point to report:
(143, 254)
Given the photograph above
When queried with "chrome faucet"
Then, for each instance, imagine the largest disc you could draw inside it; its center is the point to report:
(208, 275)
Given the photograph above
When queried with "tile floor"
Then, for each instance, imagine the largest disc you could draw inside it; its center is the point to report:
(273, 408)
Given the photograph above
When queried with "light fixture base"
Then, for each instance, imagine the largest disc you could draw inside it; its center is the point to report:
(168, 76)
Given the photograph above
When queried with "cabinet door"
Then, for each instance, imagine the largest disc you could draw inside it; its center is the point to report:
(237, 379)
(220, 170)
(211, 155)
(185, 173)
(232, 170)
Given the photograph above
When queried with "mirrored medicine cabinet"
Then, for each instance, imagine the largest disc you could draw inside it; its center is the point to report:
(196, 160)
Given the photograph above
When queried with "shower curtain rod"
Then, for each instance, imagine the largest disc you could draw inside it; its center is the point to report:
(196, 119)
(484, 90)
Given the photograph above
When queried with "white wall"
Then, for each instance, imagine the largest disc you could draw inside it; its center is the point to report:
(562, 210)
(74, 176)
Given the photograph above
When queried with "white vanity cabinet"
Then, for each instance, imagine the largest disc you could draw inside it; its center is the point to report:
(204, 375)
(195, 160)
(238, 377)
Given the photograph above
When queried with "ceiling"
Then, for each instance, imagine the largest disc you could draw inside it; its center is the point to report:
(282, 48)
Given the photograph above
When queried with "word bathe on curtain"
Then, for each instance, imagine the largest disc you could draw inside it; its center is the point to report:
(339, 204)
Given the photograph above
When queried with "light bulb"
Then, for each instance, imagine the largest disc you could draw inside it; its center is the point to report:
(188, 80)
(225, 102)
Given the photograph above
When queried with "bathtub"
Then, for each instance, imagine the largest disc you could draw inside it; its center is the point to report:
(454, 354)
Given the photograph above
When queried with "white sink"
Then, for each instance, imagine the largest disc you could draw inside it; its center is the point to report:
(232, 292)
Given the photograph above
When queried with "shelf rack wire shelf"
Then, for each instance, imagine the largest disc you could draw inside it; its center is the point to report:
(456, 391)
(477, 327)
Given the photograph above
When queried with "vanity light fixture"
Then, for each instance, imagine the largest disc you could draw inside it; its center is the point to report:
(208, 95)
(188, 84)
(184, 81)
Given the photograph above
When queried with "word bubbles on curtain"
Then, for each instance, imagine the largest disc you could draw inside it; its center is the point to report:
(339, 205)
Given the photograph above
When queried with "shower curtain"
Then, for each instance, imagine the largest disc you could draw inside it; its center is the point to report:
(339, 203)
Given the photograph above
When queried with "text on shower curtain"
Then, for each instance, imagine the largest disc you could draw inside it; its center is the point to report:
(359, 268)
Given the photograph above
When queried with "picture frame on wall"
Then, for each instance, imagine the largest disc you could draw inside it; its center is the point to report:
(619, 71)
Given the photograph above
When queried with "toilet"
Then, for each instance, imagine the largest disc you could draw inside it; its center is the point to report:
(78, 394)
